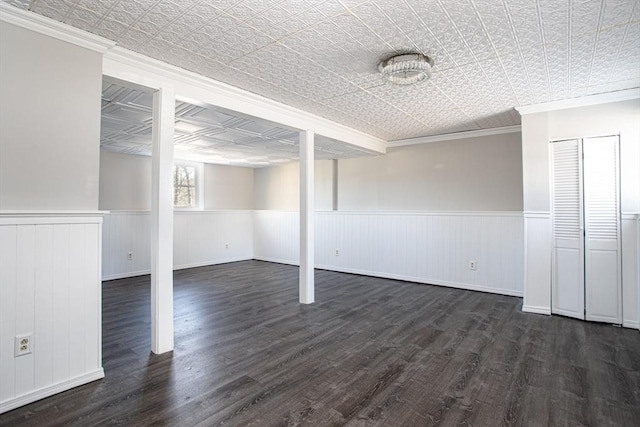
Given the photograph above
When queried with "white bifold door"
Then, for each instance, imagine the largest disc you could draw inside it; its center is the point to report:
(585, 205)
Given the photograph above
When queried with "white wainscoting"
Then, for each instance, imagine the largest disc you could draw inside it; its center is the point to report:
(200, 238)
(537, 270)
(124, 232)
(631, 270)
(50, 288)
(425, 247)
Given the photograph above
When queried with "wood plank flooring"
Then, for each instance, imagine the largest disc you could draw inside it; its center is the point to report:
(369, 352)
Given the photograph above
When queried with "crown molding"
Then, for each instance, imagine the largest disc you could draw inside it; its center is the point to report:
(455, 135)
(129, 66)
(585, 101)
(52, 28)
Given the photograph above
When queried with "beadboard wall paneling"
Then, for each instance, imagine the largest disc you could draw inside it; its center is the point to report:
(277, 236)
(537, 270)
(425, 247)
(51, 289)
(200, 238)
(211, 237)
(630, 227)
(124, 232)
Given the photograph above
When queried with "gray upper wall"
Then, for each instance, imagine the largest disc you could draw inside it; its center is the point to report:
(227, 187)
(50, 122)
(278, 187)
(472, 174)
(125, 184)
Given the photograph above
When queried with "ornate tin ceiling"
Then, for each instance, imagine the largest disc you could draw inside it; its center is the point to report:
(321, 56)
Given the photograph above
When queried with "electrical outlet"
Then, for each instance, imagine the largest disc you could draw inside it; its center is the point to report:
(23, 344)
(226, 246)
(473, 265)
(337, 252)
(130, 256)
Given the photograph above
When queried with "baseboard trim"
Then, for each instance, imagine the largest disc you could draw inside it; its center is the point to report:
(631, 324)
(276, 260)
(216, 262)
(536, 309)
(31, 397)
(457, 285)
(176, 268)
(125, 275)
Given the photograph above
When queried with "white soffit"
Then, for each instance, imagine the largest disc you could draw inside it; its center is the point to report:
(320, 56)
(132, 67)
(206, 134)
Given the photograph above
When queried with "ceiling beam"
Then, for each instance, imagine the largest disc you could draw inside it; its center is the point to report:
(125, 65)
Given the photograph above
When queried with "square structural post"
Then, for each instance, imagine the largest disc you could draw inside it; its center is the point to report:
(164, 109)
(307, 293)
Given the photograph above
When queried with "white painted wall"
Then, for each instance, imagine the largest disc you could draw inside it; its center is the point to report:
(537, 130)
(278, 187)
(50, 122)
(425, 247)
(471, 174)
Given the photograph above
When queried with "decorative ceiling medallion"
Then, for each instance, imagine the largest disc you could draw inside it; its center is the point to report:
(406, 69)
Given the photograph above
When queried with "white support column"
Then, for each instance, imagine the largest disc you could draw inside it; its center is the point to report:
(307, 295)
(162, 222)
(334, 186)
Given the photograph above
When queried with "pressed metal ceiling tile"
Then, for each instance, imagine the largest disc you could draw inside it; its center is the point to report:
(322, 56)
(203, 133)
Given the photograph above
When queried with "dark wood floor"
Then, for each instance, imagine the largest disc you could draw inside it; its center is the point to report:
(368, 352)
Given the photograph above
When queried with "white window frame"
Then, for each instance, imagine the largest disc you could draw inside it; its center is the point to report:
(199, 180)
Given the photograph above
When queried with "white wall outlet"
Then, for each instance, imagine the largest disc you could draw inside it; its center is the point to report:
(226, 246)
(473, 265)
(130, 256)
(23, 344)
(337, 252)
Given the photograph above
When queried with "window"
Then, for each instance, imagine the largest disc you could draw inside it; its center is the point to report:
(186, 185)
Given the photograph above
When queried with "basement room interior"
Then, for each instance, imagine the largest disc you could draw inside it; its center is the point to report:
(319, 213)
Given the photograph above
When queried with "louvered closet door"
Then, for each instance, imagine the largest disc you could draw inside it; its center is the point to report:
(602, 226)
(567, 283)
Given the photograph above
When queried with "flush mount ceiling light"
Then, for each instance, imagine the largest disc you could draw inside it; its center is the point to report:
(406, 69)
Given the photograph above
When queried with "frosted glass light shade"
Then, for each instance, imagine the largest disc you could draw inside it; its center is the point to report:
(406, 69)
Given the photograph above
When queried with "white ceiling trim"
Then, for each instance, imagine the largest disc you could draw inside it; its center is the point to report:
(604, 98)
(455, 135)
(52, 28)
(133, 67)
